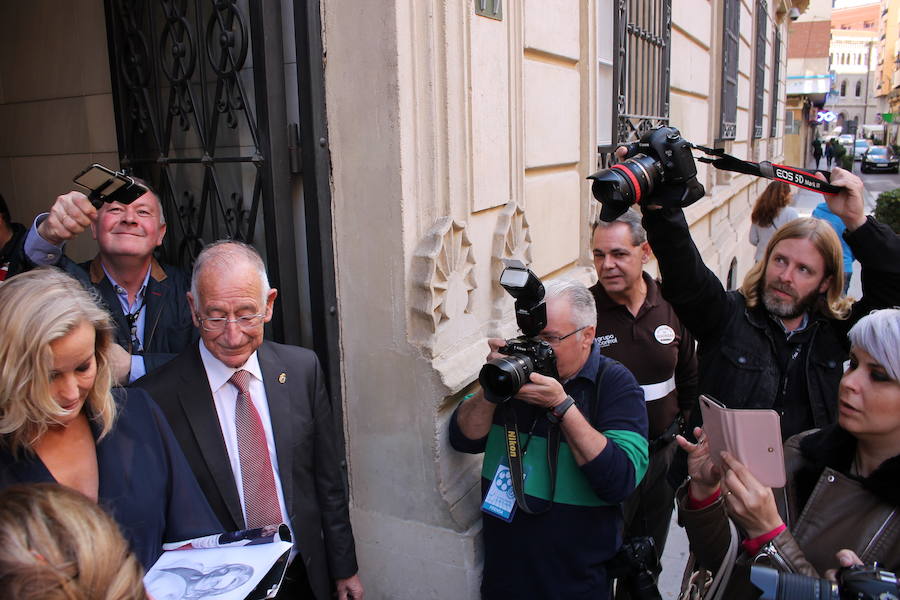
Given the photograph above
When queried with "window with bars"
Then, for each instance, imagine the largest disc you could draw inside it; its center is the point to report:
(776, 83)
(633, 69)
(759, 87)
(730, 46)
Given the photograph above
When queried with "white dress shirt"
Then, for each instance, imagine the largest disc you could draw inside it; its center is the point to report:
(225, 397)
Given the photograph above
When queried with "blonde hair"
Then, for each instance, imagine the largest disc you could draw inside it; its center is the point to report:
(55, 544)
(36, 309)
(833, 304)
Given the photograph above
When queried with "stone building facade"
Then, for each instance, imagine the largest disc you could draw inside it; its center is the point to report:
(456, 140)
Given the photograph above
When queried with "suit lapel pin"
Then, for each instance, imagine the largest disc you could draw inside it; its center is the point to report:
(282, 378)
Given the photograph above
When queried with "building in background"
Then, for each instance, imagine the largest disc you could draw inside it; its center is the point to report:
(386, 184)
(888, 75)
(853, 53)
(809, 79)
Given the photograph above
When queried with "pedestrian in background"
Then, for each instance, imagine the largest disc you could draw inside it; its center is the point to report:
(817, 151)
(829, 154)
(823, 212)
(771, 211)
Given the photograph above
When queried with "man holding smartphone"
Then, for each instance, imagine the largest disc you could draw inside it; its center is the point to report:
(145, 298)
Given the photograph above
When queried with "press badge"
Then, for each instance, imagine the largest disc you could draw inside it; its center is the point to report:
(500, 500)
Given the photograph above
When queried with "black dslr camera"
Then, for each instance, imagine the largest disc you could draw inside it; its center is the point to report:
(661, 156)
(502, 377)
(859, 582)
(635, 566)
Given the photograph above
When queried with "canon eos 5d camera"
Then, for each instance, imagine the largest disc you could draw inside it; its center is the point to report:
(502, 377)
(661, 156)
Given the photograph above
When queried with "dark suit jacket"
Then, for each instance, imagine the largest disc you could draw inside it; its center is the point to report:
(168, 328)
(305, 429)
(145, 483)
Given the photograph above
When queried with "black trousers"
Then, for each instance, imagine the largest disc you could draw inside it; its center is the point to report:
(296, 583)
(648, 511)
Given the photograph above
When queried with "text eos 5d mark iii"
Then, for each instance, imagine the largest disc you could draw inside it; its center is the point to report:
(502, 377)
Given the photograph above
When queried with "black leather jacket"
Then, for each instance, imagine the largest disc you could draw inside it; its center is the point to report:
(737, 354)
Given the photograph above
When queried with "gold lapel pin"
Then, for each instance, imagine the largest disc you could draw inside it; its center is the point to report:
(282, 378)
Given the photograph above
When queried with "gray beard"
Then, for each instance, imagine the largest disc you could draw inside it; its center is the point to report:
(787, 309)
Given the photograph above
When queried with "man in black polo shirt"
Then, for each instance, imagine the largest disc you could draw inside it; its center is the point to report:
(639, 329)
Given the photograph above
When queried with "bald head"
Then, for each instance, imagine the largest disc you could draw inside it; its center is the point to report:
(226, 258)
(231, 300)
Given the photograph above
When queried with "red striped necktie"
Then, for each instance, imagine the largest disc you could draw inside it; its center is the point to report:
(260, 495)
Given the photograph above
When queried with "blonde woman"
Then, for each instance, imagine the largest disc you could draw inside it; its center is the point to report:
(772, 210)
(55, 544)
(60, 421)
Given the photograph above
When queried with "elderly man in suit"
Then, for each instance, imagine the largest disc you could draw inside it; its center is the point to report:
(257, 425)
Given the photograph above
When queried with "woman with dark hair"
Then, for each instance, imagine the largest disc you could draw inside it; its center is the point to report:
(61, 421)
(771, 211)
(841, 504)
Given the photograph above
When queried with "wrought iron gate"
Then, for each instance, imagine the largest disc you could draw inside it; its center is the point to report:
(199, 92)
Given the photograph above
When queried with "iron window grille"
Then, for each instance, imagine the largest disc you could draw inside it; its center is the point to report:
(730, 48)
(642, 38)
(759, 88)
(776, 83)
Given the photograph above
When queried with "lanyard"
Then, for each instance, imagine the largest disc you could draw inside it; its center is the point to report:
(515, 454)
(801, 178)
(132, 318)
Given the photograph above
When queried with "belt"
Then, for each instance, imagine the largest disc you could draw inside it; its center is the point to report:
(666, 437)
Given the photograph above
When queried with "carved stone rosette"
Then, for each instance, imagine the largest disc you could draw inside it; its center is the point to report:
(512, 239)
(443, 275)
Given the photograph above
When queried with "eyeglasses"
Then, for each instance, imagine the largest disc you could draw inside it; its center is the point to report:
(556, 339)
(220, 323)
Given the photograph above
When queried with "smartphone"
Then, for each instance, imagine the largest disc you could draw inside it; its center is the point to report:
(107, 185)
(753, 436)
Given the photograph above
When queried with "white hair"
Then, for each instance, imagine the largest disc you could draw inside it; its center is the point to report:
(225, 254)
(878, 333)
(580, 299)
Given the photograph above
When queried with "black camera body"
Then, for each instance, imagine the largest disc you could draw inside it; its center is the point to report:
(661, 157)
(502, 377)
(635, 566)
(869, 582)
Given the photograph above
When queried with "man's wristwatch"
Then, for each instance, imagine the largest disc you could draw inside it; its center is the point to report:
(555, 414)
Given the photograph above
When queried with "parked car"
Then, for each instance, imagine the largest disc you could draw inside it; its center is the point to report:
(862, 146)
(880, 158)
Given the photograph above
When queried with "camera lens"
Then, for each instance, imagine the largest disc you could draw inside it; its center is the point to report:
(791, 586)
(624, 184)
(502, 377)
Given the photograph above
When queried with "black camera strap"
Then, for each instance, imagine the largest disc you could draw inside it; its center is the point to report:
(515, 453)
(801, 178)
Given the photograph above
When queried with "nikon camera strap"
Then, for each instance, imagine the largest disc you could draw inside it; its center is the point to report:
(515, 454)
(801, 178)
